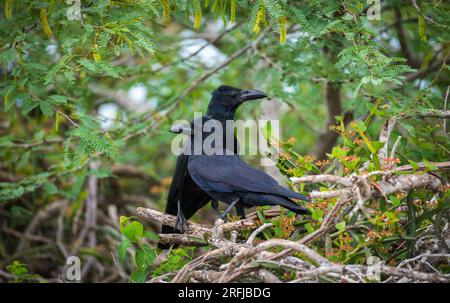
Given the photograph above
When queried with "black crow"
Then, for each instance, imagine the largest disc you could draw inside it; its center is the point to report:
(185, 198)
(226, 177)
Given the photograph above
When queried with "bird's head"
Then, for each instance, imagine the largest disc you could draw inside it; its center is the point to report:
(226, 99)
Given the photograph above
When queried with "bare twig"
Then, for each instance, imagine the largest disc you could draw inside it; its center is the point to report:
(214, 70)
(257, 231)
(181, 239)
(169, 220)
(322, 178)
(384, 138)
(445, 108)
(42, 216)
(429, 19)
(395, 146)
(396, 184)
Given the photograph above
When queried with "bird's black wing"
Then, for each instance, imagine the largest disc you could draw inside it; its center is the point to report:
(228, 173)
(183, 189)
(176, 186)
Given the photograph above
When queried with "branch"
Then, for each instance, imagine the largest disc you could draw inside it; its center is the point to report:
(436, 63)
(181, 239)
(445, 108)
(403, 39)
(247, 260)
(388, 187)
(194, 229)
(169, 220)
(43, 215)
(429, 19)
(131, 171)
(8, 177)
(430, 113)
(322, 178)
(384, 138)
(250, 252)
(257, 232)
(366, 271)
(328, 138)
(214, 70)
(199, 50)
(327, 224)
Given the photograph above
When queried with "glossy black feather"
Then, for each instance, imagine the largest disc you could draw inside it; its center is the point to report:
(183, 188)
(227, 177)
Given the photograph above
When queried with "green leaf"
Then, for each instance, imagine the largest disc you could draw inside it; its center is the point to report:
(309, 228)
(359, 125)
(141, 260)
(376, 82)
(317, 214)
(267, 130)
(46, 108)
(50, 188)
(139, 276)
(394, 200)
(340, 226)
(414, 165)
(150, 235)
(422, 28)
(20, 212)
(133, 231)
(87, 64)
(17, 269)
(109, 69)
(144, 257)
(122, 249)
(377, 145)
(429, 166)
(260, 214)
(338, 152)
(58, 99)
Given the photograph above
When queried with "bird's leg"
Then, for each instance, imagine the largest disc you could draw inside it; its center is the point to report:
(223, 216)
(180, 223)
(240, 211)
(215, 205)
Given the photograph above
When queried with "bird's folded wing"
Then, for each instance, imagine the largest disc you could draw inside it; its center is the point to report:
(230, 173)
(176, 186)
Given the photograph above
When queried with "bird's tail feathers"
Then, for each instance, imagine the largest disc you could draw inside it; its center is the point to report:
(295, 195)
(283, 202)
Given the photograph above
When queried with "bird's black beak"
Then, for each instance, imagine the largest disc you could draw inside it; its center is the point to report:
(251, 94)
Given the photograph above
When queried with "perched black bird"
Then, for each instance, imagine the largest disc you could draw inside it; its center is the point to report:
(226, 177)
(185, 198)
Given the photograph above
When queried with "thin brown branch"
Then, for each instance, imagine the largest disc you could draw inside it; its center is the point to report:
(214, 70)
(322, 178)
(182, 239)
(42, 216)
(384, 138)
(395, 184)
(131, 171)
(169, 220)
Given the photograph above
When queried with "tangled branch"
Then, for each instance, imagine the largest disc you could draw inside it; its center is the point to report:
(253, 261)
